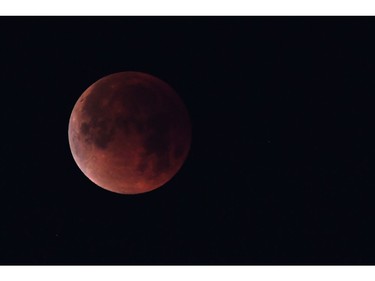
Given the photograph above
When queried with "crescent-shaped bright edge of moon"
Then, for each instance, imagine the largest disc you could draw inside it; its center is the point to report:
(129, 132)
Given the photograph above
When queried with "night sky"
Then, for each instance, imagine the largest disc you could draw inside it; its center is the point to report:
(281, 167)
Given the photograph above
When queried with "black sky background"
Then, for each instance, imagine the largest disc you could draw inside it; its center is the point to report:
(281, 167)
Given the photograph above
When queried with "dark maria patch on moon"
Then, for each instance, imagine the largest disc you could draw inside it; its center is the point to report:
(157, 141)
(99, 128)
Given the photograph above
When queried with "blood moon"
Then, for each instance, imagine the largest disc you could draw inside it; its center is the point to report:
(129, 132)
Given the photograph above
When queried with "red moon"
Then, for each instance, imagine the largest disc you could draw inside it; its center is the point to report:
(129, 132)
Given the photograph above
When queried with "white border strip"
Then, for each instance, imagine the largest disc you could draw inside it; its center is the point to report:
(188, 273)
(185, 7)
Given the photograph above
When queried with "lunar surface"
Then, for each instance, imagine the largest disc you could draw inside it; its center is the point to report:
(129, 132)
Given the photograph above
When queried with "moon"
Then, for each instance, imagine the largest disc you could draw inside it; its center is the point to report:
(129, 132)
